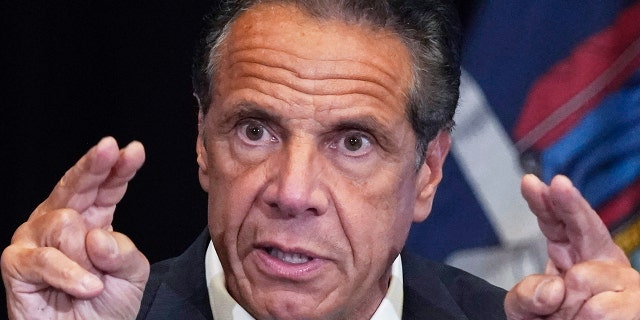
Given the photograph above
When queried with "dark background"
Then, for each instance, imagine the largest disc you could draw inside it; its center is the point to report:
(75, 71)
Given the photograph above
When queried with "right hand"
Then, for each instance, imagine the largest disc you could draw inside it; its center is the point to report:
(66, 262)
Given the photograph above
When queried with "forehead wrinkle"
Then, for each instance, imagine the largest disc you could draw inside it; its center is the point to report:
(244, 54)
(349, 78)
(317, 98)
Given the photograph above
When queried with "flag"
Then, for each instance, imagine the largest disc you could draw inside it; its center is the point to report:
(558, 85)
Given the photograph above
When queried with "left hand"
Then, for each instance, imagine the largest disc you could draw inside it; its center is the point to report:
(588, 276)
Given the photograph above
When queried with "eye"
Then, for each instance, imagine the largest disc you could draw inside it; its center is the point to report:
(255, 133)
(353, 144)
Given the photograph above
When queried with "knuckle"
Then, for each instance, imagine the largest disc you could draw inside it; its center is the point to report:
(577, 277)
(44, 256)
(8, 256)
(21, 233)
(63, 226)
(48, 225)
(64, 217)
(10, 266)
(67, 179)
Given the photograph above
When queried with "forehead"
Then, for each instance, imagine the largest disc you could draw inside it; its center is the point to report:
(318, 49)
(279, 24)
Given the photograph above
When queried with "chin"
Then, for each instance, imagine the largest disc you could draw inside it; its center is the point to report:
(294, 307)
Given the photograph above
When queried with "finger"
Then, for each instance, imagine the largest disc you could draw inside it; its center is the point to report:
(574, 230)
(590, 279)
(115, 254)
(601, 276)
(129, 162)
(112, 190)
(29, 270)
(62, 229)
(97, 182)
(588, 235)
(611, 306)
(536, 193)
(534, 296)
(79, 185)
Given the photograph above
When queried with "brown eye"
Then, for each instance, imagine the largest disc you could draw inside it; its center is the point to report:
(254, 133)
(353, 142)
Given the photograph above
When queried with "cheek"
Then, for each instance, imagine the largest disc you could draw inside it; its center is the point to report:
(377, 215)
(234, 189)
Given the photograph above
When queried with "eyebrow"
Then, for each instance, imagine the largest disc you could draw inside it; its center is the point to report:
(250, 110)
(365, 123)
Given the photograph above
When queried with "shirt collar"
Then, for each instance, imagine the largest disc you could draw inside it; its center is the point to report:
(223, 306)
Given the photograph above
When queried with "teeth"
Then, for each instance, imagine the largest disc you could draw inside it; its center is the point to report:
(294, 258)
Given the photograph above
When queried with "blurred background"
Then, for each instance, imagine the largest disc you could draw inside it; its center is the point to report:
(548, 87)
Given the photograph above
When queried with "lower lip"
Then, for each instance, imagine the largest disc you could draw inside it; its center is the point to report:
(277, 268)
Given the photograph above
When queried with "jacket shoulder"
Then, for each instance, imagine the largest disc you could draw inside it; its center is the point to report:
(435, 288)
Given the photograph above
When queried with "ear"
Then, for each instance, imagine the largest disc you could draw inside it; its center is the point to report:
(201, 152)
(430, 175)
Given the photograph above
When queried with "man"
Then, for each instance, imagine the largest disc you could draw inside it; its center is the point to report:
(323, 128)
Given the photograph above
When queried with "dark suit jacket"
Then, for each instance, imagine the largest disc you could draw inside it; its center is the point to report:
(177, 290)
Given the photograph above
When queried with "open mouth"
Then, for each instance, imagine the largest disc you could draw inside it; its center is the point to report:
(293, 258)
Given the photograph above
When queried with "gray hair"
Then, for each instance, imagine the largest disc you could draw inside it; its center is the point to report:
(430, 29)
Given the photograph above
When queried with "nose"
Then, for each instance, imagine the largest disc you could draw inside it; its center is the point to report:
(296, 185)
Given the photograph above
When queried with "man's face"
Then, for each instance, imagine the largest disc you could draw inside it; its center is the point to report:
(309, 162)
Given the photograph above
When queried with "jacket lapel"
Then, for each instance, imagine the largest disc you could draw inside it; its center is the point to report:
(177, 287)
(425, 296)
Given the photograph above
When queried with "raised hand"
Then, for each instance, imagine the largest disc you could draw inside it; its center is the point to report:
(66, 262)
(588, 276)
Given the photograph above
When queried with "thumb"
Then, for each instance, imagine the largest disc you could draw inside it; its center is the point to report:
(115, 254)
(534, 296)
